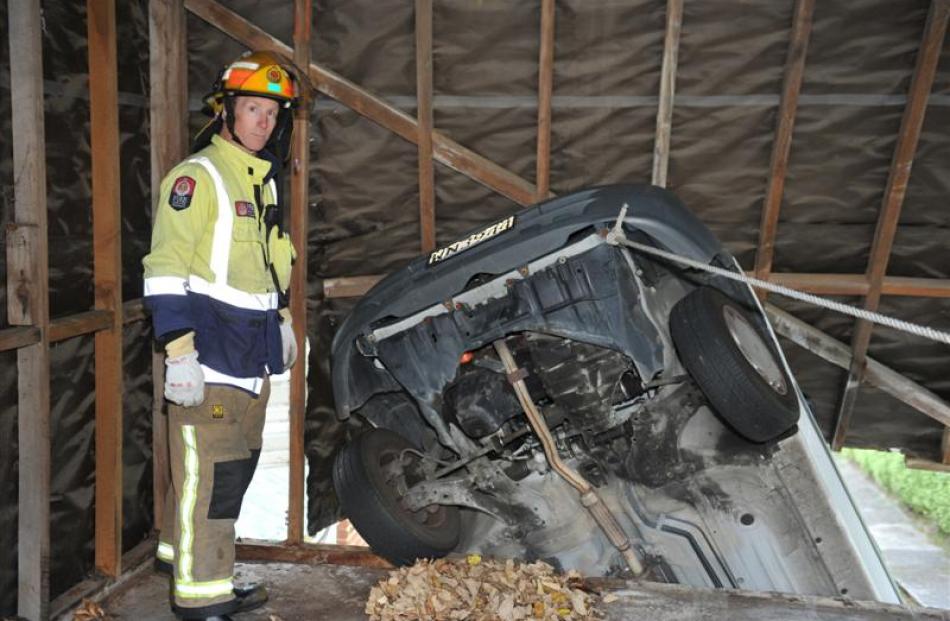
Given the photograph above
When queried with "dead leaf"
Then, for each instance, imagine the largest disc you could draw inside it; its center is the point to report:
(89, 610)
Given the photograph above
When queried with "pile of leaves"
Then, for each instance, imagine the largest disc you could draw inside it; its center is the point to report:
(488, 590)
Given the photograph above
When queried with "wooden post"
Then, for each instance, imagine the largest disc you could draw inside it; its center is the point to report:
(545, 90)
(28, 304)
(782, 146)
(168, 114)
(664, 113)
(911, 123)
(425, 120)
(107, 278)
(299, 227)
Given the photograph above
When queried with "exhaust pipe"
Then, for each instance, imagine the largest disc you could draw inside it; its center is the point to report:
(588, 495)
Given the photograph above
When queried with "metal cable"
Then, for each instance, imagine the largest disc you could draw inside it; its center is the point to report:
(617, 236)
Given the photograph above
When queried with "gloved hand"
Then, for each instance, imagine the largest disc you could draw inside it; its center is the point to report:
(184, 379)
(288, 342)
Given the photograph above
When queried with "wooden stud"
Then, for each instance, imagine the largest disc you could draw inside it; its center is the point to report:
(927, 58)
(425, 122)
(945, 447)
(664, 113)
(107, 279)
(444, 150)
(168, 117)
(878, 375)
(545, 90)
(782, 145)
(299, 227)
(28, 277)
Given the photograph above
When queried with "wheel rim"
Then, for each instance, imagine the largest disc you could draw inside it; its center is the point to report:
(399, 475)
(754, 349)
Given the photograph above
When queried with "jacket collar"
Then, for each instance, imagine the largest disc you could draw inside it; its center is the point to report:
(258, 166)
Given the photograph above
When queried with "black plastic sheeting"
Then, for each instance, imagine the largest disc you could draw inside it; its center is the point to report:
(72, 368)
(364, 194)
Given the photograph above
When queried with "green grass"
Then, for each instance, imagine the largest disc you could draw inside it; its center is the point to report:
(924, 492)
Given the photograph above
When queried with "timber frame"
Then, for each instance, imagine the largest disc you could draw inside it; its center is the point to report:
(32, 331)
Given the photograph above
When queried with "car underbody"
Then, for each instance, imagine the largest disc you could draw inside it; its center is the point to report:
(580, 403)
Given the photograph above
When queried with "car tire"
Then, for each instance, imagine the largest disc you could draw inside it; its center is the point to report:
(746, 384)
(370, 495)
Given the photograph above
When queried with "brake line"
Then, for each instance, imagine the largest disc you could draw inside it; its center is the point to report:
(588, 495)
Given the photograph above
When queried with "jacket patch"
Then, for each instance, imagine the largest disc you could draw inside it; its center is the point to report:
(244, 209)
(182, 191)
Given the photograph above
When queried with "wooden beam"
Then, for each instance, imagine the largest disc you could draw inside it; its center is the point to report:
(20, 336)
(107, 279)
(857, 284)
(444, 150)
(349, 286)
(133, 310)
(664, 112)
(70, 326)
(822, 284)
(28, 290)
(425, 121)
(878, 375)
(782, 145)
(79, 324)
(925, 464)
(945, 447)
(168, 118)
(309, 554)
(545, 89)
(299, 228)
(926, 68)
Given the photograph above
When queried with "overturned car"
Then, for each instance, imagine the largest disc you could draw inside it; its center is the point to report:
(539, 389)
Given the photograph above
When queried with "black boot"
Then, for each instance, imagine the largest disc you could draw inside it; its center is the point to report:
(250, 597)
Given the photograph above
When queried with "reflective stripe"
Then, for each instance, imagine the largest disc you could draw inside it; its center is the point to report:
(186, 507)
(250, 384)
(165, 551)
(232, 296)
(204, 589)
(221, 241)
(165, 285)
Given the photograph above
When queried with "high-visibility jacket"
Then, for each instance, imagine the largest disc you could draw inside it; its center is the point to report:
(209, 265)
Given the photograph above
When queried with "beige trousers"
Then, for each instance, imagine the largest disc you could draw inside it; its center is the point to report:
(213, 452)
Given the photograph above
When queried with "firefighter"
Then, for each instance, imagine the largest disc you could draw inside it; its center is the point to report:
(216, 282)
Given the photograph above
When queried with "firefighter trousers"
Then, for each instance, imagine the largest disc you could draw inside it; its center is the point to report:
(213, 452)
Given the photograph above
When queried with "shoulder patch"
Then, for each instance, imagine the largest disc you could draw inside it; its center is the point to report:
(244, 209)
(182, 191)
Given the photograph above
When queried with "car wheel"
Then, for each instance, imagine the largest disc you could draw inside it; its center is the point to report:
(371, 475)
(734, 364)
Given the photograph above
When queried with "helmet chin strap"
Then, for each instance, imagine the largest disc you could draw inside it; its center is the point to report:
(229, 120)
